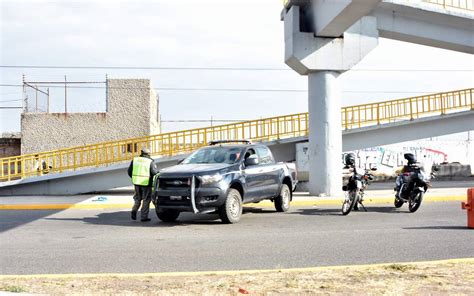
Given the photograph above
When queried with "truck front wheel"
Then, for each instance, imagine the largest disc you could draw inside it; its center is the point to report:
(282, 202)
(231, 210)
(167, 215)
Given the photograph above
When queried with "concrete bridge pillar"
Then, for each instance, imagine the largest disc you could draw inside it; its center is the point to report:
(325, 137)
(323, 59)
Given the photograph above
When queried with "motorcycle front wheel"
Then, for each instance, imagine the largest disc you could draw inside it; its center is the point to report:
(398, 202)
(350, 201)
(415, 202)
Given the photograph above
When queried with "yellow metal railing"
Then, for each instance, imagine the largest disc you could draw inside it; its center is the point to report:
(459, 4)
(406, 109)
(168, 144)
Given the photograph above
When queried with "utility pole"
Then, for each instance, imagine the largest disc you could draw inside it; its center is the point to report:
(106, 93)
(48, 101)
(25, 97)
(65, 95)
(36, 98)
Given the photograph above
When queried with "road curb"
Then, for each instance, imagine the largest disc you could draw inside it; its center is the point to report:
(263, 204)
(230, 272)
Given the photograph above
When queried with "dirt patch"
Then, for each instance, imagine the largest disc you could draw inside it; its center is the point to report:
(455, 277)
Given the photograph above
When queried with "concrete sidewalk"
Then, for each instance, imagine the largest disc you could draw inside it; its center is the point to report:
(122, 199)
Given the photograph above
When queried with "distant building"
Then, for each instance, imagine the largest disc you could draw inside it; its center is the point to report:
(132, 111)
(10, 144)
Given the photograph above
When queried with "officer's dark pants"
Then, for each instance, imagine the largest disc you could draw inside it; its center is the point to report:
(142, 193)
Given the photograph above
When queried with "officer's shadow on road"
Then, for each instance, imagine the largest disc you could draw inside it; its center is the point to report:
(121, 218)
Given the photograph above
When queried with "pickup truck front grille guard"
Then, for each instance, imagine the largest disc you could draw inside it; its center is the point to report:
(193, 196)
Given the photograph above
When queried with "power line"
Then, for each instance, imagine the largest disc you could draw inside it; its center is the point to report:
(166, 88)
(222, 89)
(146, 68)
(4, 101)
(214, 68)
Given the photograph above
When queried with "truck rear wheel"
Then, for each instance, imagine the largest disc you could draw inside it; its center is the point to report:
(282, 202)
(231, 211)
(167, 215)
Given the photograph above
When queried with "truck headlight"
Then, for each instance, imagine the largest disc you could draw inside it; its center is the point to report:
(210, 179)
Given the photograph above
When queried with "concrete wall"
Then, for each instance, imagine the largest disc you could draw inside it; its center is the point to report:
(132, 111)
(454, 149)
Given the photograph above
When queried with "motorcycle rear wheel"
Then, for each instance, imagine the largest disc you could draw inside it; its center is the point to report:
(350, 201)
(415, 203)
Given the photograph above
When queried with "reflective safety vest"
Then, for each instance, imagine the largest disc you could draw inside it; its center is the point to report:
(141, 171)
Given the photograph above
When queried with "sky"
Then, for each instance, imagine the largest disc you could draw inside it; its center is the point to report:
(194, 34)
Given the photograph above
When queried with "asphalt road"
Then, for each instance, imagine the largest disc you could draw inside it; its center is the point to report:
(92, 241)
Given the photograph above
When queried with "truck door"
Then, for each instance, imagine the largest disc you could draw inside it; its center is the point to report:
(253, 178)
(269, 171)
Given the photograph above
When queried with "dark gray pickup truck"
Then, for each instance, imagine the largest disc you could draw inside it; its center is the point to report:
(221, 178)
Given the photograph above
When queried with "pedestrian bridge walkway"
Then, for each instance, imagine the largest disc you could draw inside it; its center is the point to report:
(363, 126)
(456, 4)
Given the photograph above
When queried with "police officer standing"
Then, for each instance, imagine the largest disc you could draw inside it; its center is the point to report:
(141, 170)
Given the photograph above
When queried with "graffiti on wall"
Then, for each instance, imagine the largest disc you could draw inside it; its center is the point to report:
(390, 159)
(387, 159)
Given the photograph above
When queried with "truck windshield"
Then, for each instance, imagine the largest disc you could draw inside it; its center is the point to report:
(214, 155)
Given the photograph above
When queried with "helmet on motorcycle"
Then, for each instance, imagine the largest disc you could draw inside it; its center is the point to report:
(410, 158)
(349, 159)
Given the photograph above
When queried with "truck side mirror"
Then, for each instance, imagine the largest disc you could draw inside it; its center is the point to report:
(251, 160)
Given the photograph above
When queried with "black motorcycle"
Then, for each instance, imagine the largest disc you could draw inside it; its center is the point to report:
(355, 190)
(414, 186)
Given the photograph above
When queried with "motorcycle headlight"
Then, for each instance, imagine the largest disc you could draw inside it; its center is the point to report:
(210, 179)
(359, 184)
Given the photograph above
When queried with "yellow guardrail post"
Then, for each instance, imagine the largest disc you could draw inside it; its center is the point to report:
(60, 162)
(472, 101)
(54, 161)
(278, 128)
(170, 146)
(378, 113)
(345, 118)
(96, 156)
(441, 103)
(23, 168)
(74, 159)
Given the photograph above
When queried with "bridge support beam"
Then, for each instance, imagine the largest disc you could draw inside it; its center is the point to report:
(322, 59)
(325, 137)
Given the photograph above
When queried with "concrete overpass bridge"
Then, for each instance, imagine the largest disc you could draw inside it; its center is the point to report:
(326, 38)
(102, 166)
